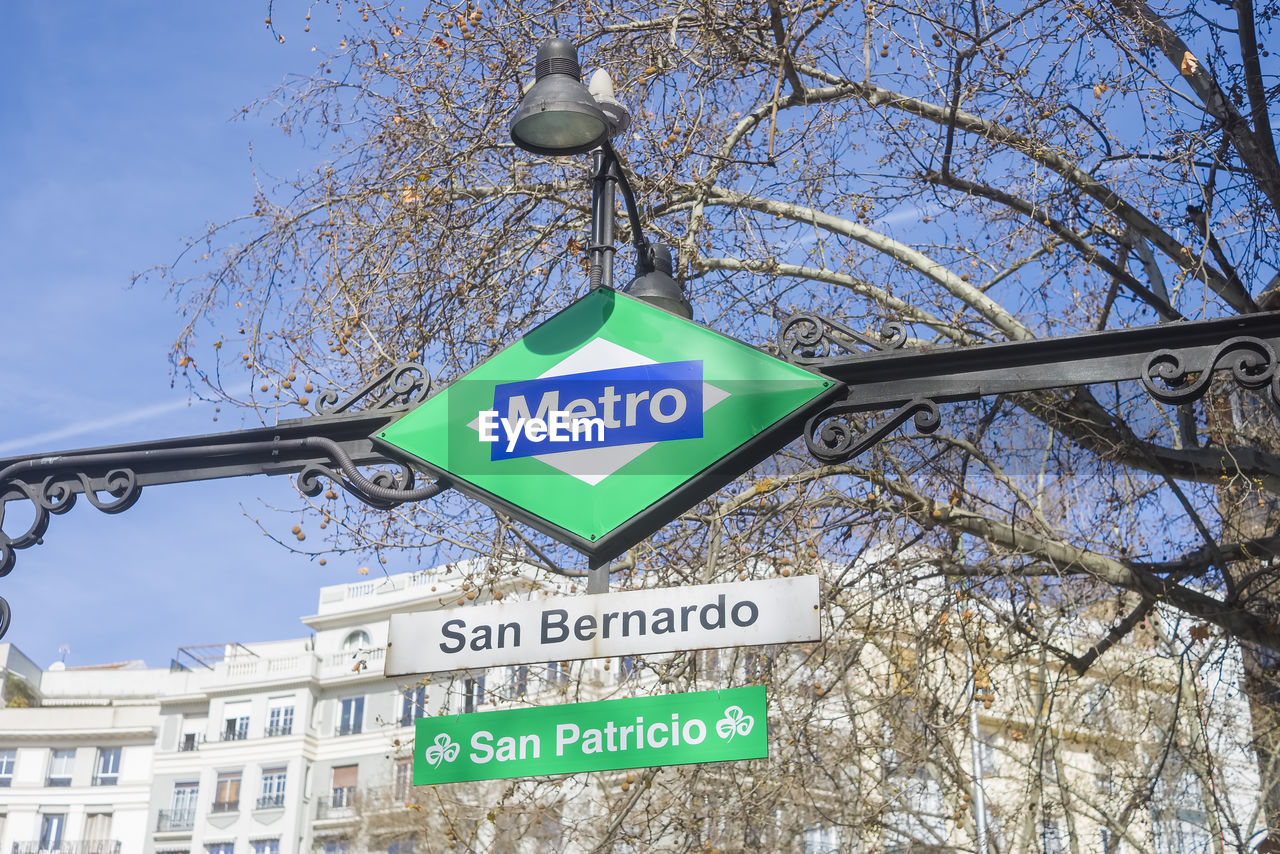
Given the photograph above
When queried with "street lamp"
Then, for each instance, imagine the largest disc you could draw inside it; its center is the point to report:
(560, 116)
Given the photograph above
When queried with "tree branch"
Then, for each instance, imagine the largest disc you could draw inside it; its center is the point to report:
(1254, 152)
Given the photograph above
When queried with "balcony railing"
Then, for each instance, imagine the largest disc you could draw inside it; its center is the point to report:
(279, 729)
(175, 820)
(347, 657)
(236, 734)
(81, 846)
(339, 804)
(189, 741)
(349, 728)
(270, 802)
(225, 806)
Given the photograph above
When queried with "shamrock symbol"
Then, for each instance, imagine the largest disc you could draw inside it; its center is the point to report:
(734, 722)
(444, 749)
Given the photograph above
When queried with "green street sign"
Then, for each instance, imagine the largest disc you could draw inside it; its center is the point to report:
(607, 421)
(671, 729)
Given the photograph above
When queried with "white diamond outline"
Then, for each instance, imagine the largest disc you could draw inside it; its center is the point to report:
(587, 464)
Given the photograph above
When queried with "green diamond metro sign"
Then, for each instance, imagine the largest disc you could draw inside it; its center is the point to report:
(607, 421)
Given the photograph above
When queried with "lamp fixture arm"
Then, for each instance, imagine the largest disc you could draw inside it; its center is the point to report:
(614, 164)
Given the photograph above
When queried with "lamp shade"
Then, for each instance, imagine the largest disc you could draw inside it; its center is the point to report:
(558, 115)
(655, 285)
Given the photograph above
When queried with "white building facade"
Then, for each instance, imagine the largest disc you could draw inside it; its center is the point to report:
(253, 749)
(304, 746)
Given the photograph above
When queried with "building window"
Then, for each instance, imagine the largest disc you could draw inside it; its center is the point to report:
(413, 705)
(280, 717)
(190, 741)
(220, 848)
(821, 839)
(108, 770)
(272, 788)
(350, 715)
(181, 814)
(518, 678)
(988, 755)
(235, 725)
(1178, 820)
(709, 661)
(356, 641)
(626, 667)
(266, 846)
(226, 796)
(916, 820)
(558, 673)
(755, 664)
(8, 758)
(404, 779)
(51, 827)
(401, 846)
(334, 846)
(343, 791)
(474, 694)
(1052, 838)
(97, 832)
(61, 763)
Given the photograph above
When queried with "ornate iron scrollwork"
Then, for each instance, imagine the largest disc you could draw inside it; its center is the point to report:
(332, 444)
(1252, 363)
(401, 386)
(807, 338)
(53, 497)
(831, 438)
(383, 490)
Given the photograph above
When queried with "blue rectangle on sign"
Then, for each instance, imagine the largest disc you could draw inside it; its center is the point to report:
(595, 409)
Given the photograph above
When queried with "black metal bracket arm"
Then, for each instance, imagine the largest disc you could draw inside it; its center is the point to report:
(334, 444)
(1174, 362)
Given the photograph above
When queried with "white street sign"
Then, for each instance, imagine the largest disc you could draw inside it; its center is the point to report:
(639, 622)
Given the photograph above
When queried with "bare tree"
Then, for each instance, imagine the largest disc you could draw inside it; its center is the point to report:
(978, 171)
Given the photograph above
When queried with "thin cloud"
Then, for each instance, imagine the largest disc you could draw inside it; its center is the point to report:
(40, 441)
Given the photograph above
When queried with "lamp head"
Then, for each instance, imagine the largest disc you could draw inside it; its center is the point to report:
(655, 285)
(558, 116)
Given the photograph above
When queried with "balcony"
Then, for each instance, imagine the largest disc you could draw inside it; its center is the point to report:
(190, 741)
(175, 821)
(225, 806)
(279, 729)
(270, 802)
(234, 733)
(82, 846)
(339, 804)
(348, 728)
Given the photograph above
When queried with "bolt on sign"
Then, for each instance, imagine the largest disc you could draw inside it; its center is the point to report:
(607, 421)
(635, 622)
(670, 729)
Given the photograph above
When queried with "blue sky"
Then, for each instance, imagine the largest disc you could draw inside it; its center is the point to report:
(117, 141)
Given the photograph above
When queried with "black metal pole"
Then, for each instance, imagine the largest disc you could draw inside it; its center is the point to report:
(603, 177)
